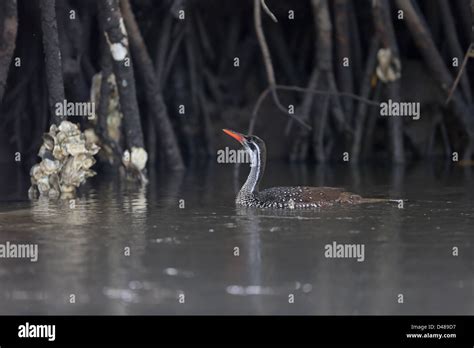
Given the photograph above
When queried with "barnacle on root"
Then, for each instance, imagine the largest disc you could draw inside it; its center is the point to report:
(135, 162)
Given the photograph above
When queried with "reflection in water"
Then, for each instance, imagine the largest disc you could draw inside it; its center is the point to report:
(181, 231)
(251, 254)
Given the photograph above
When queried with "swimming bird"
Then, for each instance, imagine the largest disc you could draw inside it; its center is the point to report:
(294, 197)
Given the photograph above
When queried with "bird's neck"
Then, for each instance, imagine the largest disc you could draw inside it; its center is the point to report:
(257, 168)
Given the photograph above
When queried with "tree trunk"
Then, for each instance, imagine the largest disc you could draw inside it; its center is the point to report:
(386, 33)
(117, 39)
(7, 41)
(435, 62)
(152, 87)
(54, 71)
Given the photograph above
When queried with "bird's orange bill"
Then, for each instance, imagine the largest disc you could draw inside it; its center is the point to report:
(237, 136)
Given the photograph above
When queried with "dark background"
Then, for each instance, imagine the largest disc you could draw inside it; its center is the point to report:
(193, 65)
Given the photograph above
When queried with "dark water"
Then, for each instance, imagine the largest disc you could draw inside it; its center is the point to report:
(190, 250)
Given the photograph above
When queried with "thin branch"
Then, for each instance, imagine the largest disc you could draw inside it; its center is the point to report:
(469, 54)
(162, 48)
(318, 91)
(177, 40)
(265, 93)
(268, 11)
(268, 60)
(259, 102)
(454, 45)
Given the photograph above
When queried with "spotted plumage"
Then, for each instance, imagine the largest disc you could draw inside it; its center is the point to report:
(297, 197)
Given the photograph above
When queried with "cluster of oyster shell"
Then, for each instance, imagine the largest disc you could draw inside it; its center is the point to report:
(67, 157)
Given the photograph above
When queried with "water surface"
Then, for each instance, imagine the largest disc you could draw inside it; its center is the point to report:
(182, 231)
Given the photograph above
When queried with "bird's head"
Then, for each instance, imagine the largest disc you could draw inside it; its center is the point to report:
(254, 146)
